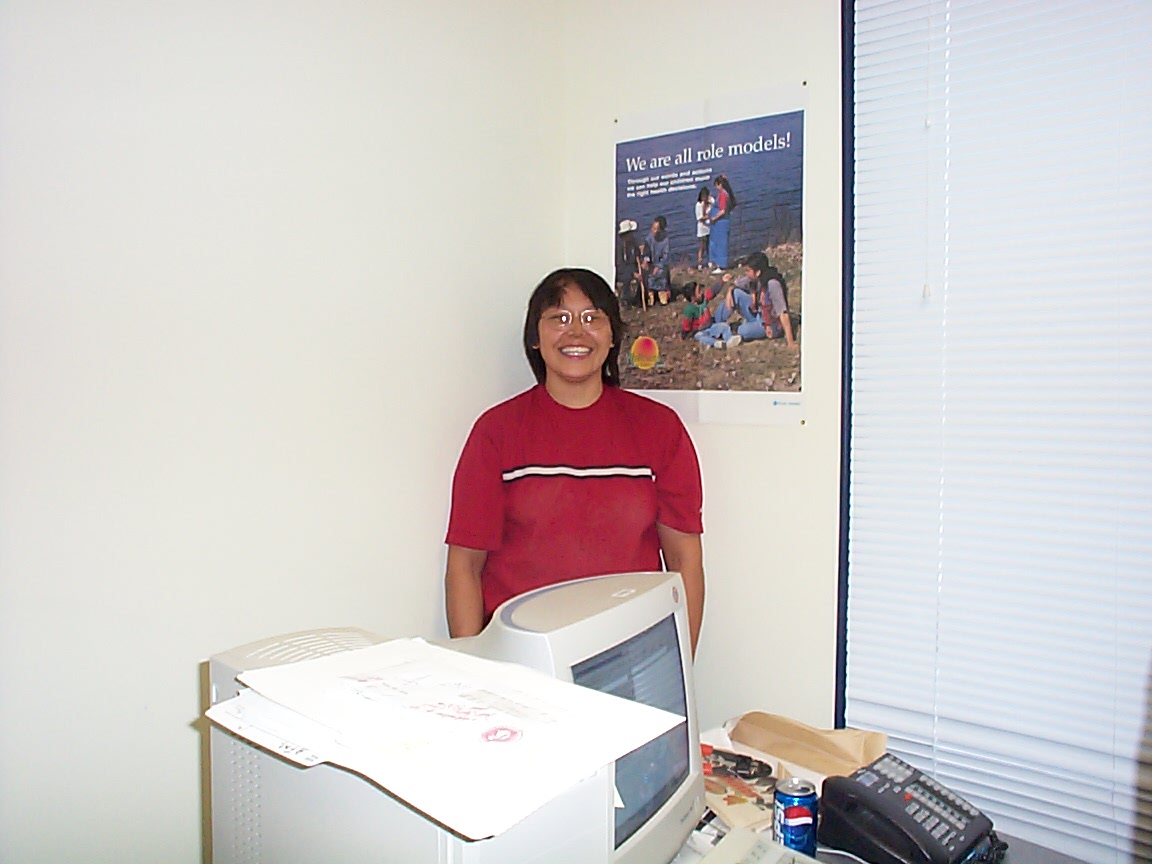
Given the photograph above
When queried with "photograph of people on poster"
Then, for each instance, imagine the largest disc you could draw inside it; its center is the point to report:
(709, 256)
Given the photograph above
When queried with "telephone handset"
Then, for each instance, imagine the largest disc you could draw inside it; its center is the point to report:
(891, 813)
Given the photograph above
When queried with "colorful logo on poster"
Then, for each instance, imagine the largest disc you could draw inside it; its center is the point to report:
(645, 352)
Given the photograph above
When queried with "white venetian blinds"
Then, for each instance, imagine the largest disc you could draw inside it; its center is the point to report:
(1000, 509)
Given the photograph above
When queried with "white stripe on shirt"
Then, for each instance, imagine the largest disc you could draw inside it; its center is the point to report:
(568, 471)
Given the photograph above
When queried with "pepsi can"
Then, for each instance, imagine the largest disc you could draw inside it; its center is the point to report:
(794, 815)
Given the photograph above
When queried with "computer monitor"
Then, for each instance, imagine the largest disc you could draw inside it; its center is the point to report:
(627, 635)
(624, 634)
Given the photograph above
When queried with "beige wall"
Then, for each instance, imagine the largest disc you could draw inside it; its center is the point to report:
(261, 265)
(771, 493)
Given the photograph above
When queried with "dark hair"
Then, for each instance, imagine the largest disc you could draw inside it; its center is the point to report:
(704, 193)
(548, 294)
(770, 273)
(722, 180)
(663, 223)
(758, 261)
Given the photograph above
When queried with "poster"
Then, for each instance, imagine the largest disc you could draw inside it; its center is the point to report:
(736, 332)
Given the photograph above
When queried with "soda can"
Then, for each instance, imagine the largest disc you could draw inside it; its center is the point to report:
(794, 815)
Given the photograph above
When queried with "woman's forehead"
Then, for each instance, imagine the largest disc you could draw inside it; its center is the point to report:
(572, 297)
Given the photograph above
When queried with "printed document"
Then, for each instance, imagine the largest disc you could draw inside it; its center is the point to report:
(476, 744)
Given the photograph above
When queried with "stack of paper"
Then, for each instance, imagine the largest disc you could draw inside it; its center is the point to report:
(475, 744)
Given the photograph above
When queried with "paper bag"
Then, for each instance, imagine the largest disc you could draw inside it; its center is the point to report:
(798, 750)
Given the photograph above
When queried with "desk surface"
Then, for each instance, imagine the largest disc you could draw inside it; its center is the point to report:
(1023, 852)
(1019, 852)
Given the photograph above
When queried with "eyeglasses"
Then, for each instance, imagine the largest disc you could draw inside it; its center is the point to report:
(561, 319)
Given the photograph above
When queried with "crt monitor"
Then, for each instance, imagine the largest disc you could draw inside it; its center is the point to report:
(624, 634)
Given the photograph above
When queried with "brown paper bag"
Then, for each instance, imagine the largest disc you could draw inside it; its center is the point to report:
(798, 750)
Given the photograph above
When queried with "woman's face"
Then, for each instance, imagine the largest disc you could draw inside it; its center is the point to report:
(574, 350)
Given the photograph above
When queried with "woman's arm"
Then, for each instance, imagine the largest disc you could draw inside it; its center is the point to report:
(684, 554)
(775, 295)
(462, 596)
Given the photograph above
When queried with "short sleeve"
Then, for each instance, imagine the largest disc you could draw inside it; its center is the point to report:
(776, 294)
(476, 519)
(680, 495)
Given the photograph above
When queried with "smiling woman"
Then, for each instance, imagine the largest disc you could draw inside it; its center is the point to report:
(574, 477)
(572, 336)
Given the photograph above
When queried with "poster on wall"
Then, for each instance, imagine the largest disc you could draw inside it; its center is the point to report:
(709, 258)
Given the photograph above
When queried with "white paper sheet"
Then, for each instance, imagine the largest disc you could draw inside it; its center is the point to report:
(476, 744)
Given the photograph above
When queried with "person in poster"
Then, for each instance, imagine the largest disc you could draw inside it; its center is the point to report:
(759, 298)
(703, 228)
(742, 182)
(658, 259)
(718, 220)
(629, 277)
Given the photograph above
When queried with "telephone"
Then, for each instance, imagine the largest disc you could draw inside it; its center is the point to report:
(891, 813)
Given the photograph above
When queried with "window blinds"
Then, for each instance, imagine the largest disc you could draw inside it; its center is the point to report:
(999, 622)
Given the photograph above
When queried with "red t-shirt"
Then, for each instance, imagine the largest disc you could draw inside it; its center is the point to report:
(721, 202)
(555, 493)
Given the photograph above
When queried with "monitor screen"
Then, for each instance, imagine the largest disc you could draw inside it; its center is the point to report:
(646, 669)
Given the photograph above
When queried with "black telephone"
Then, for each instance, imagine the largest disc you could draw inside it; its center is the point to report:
(891, 813)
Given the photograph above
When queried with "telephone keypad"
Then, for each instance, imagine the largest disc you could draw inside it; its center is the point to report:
(891, 799)
(931, 804)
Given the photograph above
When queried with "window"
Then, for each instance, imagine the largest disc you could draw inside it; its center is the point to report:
(999, 559)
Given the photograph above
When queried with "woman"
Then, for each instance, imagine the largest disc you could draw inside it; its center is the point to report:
(718, 239)
(765, 309)
(659, 259)
(574, 477)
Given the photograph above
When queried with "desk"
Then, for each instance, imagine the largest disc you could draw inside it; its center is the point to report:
(1019, 852)
(1023, 852)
